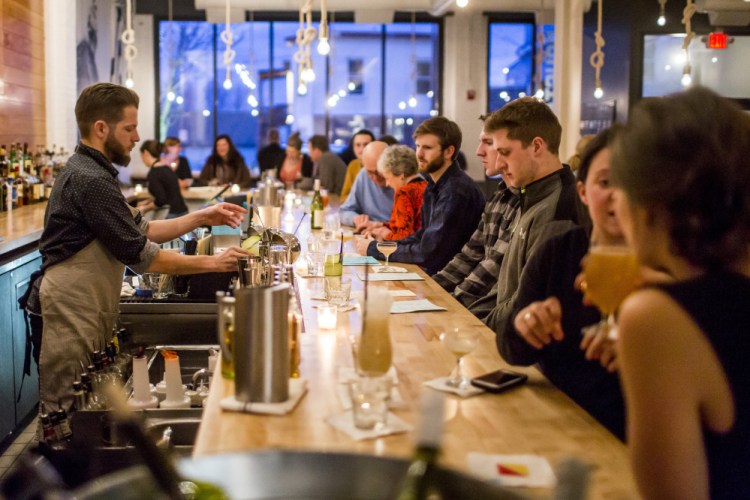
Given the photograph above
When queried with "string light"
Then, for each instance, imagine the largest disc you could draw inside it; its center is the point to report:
(597, 57)
(128, 40)
(229, 54)
(539, 61)
(687, 15)
(305, 36)
(324, 48)
(662, 19)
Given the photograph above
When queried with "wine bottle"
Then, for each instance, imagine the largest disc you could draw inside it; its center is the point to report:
(416, 483)
(316, 207)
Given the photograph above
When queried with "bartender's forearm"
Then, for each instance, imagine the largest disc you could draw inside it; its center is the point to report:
(161, 231)
(174, 263)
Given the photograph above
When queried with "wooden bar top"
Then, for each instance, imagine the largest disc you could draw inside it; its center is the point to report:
(21, 227)
(535, 418)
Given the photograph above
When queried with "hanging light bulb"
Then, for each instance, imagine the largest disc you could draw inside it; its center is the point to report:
(324, 48)
(351, 86)
(179, 99)
(686, 79)
(661, 20)
(255, 112)
(171, 96)
(539, 94)
(252, 101)
(302, 88)
(308, 75)
(228, 83)
(129, 83)
(462, 3)
(598, 93)
(402, 105)
(412, 102)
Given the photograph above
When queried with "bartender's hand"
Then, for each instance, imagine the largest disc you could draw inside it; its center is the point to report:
(226, 261)
(223, 213)
(539, 323)
(360, 222)
(362, 244)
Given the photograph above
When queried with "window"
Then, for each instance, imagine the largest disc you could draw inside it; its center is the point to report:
(353, 88)
(511, 62)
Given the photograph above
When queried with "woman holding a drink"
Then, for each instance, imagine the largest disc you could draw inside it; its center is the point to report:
(549, 313)
(682, 167)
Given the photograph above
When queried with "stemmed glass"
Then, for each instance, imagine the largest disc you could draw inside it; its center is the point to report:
(386, 248)
(610, 273)
(459, 343)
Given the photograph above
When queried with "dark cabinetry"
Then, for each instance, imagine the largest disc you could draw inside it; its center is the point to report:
(14, 280)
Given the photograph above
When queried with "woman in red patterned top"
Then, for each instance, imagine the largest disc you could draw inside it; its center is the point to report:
(398, 164)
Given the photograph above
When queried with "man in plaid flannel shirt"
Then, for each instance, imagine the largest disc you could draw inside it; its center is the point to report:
(470, 275)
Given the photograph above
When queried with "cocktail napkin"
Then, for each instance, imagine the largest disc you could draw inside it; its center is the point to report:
(347, 373)
(395, 401)
(408, 306)
(297, 389)
(360, 260)
(531, 471)
(345, 423)
(441, 385)
(391, 277)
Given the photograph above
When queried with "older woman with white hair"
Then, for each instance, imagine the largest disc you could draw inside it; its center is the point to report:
(398, 165)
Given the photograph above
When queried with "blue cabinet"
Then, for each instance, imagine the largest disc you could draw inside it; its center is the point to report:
(17, 400)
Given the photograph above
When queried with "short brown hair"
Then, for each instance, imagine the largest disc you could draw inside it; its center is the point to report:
(319, 142)
(103, 101)
(447, 132)
(171, 141)
(525, 119)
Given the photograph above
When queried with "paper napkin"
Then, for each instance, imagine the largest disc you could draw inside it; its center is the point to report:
(391, 277)
(360, 260)
(408, 306)
(345, 423)
(441, 385)
(531, 471)
(297, 389)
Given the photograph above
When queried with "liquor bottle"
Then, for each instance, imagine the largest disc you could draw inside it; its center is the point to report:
(4, 202)
(316, 208)
(3, 162)
(416, 483)
(12, 162)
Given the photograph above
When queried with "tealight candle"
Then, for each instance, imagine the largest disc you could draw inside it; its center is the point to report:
(235, 188)
(327, 317)
(138, 189)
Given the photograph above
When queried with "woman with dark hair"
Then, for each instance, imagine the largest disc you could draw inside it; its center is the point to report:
(682, 174)
(225, 165)
(179, 164)
(548, 313)
(297, 165)
(163, 183)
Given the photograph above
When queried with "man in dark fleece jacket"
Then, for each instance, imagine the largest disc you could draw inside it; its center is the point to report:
(526, 135)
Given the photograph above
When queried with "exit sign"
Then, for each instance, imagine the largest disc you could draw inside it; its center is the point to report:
(717, 41)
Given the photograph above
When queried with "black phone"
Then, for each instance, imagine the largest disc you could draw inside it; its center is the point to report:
(499, 381)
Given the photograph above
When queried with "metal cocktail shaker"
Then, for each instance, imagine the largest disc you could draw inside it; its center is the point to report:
(261, 344)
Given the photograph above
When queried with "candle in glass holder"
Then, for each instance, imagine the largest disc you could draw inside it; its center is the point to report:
(235, 188)
(327, 317)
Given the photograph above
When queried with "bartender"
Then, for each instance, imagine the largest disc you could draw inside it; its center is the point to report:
(91, 234)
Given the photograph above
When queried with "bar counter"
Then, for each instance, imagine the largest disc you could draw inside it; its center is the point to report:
(21, 227)
(535, 418)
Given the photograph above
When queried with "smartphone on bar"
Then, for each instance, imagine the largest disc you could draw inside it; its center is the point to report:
(499, 381)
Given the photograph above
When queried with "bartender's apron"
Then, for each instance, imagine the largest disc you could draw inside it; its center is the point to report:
(80, 305)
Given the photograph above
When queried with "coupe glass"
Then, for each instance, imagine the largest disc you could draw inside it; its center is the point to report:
(459, 343)
(611, 273)
(386, 248)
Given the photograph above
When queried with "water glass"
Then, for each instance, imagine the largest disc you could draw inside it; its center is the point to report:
(370, 401)
(315, 263)
(338, 291)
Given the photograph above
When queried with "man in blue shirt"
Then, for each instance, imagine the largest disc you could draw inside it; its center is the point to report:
(452, 206)
(370, 199)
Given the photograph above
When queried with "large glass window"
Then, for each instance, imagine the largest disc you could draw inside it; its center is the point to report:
(511, 62)
(353, 88)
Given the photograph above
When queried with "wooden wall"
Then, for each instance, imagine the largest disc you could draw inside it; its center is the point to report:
(22, 91)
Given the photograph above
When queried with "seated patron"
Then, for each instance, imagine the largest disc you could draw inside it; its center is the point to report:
(398, 166)
(225, 165)
(163, 184)
(327, 166)
(370, 199)
(548, 313)
(271, 156)
(297, 167)
(472, 272)
(179, 164)
(683, 346)
(452, 203)
(358, 143)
